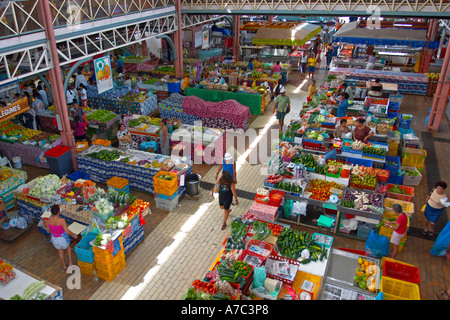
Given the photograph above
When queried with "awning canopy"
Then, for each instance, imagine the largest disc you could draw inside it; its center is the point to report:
(285, 34)
(352, 33)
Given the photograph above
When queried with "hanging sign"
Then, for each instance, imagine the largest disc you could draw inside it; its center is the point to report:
(14, 109)
(103, 74)
(205, 37)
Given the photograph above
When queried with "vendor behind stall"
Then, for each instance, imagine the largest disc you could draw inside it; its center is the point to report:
(348, 89)
(125, 140)
(375, 88)
(341, 130)
(330, 152)
(277, 67)
(312, 90)
(250, 65)
(362, 132)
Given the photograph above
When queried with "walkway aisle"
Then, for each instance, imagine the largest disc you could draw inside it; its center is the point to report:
(184, 245)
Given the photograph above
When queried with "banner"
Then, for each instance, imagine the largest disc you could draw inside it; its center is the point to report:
(14, 109)
(103, 74)
(205, 37)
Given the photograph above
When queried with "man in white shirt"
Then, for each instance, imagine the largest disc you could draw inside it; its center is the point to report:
(79, 78)
(43, 95)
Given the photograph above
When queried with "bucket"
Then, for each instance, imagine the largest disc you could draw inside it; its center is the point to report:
(345, 173)
(17, 162)
(192, 184)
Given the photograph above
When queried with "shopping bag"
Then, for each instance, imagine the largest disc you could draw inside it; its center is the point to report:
(442, 242)
(377, 246)
(259, 276)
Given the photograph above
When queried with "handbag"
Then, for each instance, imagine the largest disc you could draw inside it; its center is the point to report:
(217, 188)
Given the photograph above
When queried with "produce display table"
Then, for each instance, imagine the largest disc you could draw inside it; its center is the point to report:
(251, 100)
(30, 155)
(228, 114)
(140, 177)
(10, 179)
(22, 280)
(408, 82)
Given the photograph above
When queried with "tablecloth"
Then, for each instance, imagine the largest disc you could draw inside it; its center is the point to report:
(408, 82)
(251, 100)
(263, 211)
(30, 155)
(228, 114)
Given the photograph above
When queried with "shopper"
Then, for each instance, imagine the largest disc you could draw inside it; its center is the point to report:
(78, 111)
(43, 95)
(80, 129)
(80, 79)
(250, 64)
(283, 106)
(342, 106)
(370, 61)
(304, 64)
(228, 164)
(163, 136)
(346, 88)
(341, 130)
(83, 95)
(330, 151)
(227, 190)
(311, 66)
(362, 132)
(329, 54)
(399, 228)
(60, 234)
(276, 93)
(277, 67)
(70, 95)
(27, 88)
(312, 90)
(125, 140)
(436, 201)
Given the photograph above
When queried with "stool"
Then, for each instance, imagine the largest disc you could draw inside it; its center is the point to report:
(76, 228)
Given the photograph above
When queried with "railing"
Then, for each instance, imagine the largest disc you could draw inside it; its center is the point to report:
(18, 18)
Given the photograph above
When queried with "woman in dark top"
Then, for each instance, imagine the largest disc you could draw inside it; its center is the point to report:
(227, 190)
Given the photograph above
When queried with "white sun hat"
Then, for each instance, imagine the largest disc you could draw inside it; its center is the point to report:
(228, 156)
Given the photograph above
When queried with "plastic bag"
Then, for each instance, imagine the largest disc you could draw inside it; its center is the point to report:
(299, 207)
(288, 208)
(442, 242)
(259, 277)
(377, 246)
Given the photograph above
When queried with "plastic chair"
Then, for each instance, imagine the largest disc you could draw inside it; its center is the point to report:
(4, 161)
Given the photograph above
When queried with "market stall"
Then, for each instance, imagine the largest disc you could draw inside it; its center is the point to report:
(19, 284)
(10, 180)
(138, 167)
(26, 146)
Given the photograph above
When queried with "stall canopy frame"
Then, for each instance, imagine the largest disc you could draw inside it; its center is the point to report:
(285, 34)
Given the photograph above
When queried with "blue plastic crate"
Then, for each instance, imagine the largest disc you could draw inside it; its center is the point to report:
(394, 179)
(404, 123)
(84, 249)
(125, 189)
(392, 114)
(74, 176)
(391, 167)
(360, 162)
(166, 197)
(174, 87)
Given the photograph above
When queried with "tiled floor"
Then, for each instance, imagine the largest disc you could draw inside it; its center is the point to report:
(181, 245)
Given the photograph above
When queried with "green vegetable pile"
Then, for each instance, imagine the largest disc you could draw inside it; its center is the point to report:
(411, 173)
(260, 230)
(397, 189)
(106, 155)
(101, 115)
(192, 294)
(292, 243)
(288, 187)
(374, 150)
(165, 177)
(307, 160)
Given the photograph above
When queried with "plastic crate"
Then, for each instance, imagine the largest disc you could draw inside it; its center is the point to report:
(401, 271)
(167, 197)
(246, 253)
(274, 201)
(394, 179)
(404, 123)
(411, 180)
(408, 207)
(165, 183)
(74, 176)
(262, 199)
(392, 168)
(262, 245)
(364, 229)
(337, 175)
(394, 289)
(166, 204)
(126, 189)
(84, 249)
(102, 142)
(174, 87)
(83, 145)
(117, 183)
(414, 158)
(405, 197)
(360, 162)
(86, 268)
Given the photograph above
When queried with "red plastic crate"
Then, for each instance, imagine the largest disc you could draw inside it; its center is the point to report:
(400, 271)
(246, 253)
(259, 198)
(274, 202)
(398, 196)
(57, 151)
(360, 186)
(261, 244)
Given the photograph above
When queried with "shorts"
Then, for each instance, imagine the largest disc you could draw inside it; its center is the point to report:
(395, 238)
(225, 203)
(311, 68)
(281, 115)
(61, 242)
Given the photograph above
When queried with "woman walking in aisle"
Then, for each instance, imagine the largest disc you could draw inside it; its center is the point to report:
(435, 204)
(227, 190)
(60, 239)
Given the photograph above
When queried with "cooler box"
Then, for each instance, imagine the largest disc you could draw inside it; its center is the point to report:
(59, 160)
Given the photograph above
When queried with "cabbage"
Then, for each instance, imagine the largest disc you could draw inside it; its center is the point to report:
(104, 207)
(46, 186)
